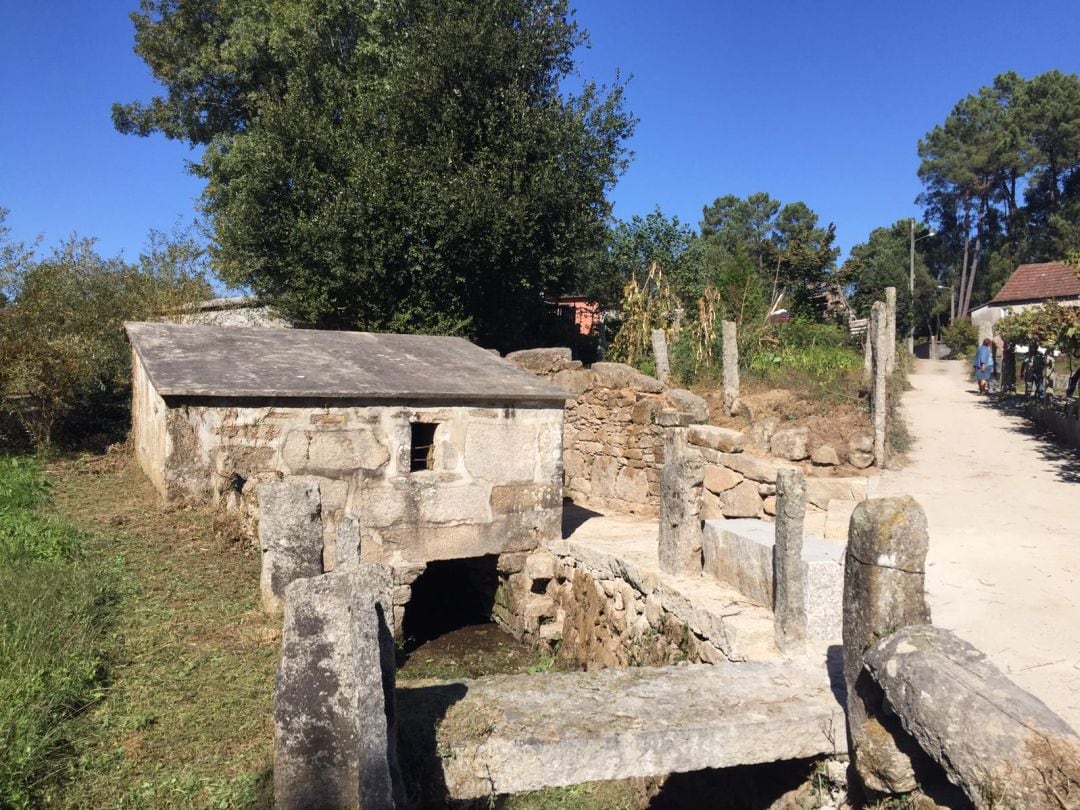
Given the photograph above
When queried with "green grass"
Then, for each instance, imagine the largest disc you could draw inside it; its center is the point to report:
(53, 631)
(186, 717)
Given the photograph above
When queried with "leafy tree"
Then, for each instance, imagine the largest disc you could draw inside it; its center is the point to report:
(397, 165)
(66, 360)
(793, 254)
(634, 246)
(884, 260)
(1002, 181)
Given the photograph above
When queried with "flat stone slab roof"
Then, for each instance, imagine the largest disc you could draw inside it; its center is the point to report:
(510, 734)
(217, 361)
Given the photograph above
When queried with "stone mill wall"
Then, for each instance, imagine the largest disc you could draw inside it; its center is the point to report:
(613, 439)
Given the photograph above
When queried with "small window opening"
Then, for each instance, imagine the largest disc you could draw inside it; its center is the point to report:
(422, 454)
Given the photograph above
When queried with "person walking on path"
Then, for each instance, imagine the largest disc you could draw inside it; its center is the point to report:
(984, 365)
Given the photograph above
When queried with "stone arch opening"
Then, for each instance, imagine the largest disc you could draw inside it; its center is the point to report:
(450, 595)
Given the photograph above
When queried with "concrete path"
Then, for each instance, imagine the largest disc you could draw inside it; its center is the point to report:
(510, 734)
(1003, 507)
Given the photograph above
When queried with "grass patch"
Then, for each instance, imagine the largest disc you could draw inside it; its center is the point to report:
(186, 717)
(57, 607)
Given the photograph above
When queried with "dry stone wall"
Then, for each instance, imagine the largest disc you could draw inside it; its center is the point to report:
(597, 610)
(613, 439)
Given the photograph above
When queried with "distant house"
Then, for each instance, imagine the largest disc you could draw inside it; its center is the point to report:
(579, 310)
(1030, 285)
(1034, 284)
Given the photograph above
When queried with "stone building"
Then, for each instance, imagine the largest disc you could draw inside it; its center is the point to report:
(420, 448)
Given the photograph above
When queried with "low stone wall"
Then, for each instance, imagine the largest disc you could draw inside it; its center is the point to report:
(1062, 422)
(613, 436)
(598, 610)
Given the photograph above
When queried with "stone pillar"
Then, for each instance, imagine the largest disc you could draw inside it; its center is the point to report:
(883, 592)
(789, 570)
(681, 480)
(868, 355)
(890, 315)
(878, 391)
(335, 737)
(731, 367)
(290, 536)
(660, 354)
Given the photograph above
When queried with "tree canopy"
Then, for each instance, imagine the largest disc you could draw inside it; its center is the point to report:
(884, 260)
(1001, 180)
(792, 253)
(396, 165)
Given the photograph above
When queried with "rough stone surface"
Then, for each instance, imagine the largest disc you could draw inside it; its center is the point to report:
(890, 330)
(334, 727)
(346, 542)
(680, 505)
(884, 583)
(290, 536)
(740, 553)
(318, 452)
(210, 361)
(756, 468)
(838, 518)
(660, 354)
(741, 501)
(620, 375)
(1000, 744)
(729, 336)
(790, 444)
(761, 433)
(789, 571)
(819, 491)
(513, 734)
(720, 479)
(687, 402)
(878, 396)
(543, 361)
(825, 455)
(717, 438)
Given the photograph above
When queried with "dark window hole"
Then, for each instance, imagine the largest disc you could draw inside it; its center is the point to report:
(422, 449)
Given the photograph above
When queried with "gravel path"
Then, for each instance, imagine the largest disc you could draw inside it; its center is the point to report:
(1003, 507)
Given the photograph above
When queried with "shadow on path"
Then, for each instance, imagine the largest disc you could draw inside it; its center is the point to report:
(1063, 459)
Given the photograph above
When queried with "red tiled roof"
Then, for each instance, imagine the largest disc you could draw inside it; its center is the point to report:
(1037, 282)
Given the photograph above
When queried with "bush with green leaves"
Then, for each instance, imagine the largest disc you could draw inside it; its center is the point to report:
(66, 363)
(961, 336)
(55, 616)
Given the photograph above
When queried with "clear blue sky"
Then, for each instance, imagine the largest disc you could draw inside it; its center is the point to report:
(816, 101)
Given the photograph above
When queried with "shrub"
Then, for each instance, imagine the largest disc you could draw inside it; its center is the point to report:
(66, 361)
(961, 336)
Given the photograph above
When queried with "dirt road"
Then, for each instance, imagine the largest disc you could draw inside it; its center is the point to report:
(1003, 507)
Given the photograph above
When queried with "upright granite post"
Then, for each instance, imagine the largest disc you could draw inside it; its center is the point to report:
(660, 354)
(868, 355)
(878, 392)
(681, 480)
(883, 592)
(335, 735)
(290, 536)
(890, 314)
(789, 570)
(731, 367)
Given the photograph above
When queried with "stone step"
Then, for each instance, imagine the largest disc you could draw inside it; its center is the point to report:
(740, 554)
(509, 734)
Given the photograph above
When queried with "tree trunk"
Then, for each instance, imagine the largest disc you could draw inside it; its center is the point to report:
(966, 306)
(964, 258)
